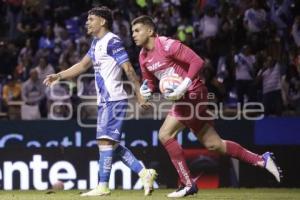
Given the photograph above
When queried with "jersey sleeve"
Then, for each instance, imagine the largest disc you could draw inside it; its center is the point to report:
(182, 53)
(146, 75)
(91, 51)
(116, 50)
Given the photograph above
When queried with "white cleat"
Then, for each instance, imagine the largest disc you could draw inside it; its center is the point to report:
(98, 191)
(271, 166)
(184, 191)
(148, 177)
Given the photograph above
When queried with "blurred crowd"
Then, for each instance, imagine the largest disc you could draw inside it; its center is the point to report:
(251, 49)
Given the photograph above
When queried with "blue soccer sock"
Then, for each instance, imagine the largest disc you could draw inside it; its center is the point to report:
(128, 159)
(105, 163)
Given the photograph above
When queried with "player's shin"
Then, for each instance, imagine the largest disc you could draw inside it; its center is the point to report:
(235, 150)
(105, 164)
(147, 175)
(128, 158)
(176, 154)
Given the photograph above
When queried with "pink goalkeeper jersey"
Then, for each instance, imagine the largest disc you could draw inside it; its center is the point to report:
(170, 57)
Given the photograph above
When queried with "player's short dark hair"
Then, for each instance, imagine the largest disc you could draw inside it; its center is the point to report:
(146, 20)
(103, 12)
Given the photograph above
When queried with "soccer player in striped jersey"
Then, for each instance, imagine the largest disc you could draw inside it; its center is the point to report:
(109, 59)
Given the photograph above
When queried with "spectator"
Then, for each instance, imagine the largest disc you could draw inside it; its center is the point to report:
(120, 23)
(125, 36)
(212, 84)
(244, 74)
(296, 31)
(280, 15)
(72, 26)
(293, 73)
(271, 82)
(25, 61)
(14, 8)
(44, 68)
(8, 57)
(69, 54)
(255, 18)
(27, 52)
(255, 22)
(227, 27)
(47, 39)
(209, 23)
(32, 95)
(208, 30)
(62, 38)
(23, 68)
(29, 24)
(11, 91)
(291, 88)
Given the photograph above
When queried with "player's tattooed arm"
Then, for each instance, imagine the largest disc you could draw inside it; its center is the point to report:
(131, 75)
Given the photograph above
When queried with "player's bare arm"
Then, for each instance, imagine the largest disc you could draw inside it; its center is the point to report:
(131, 75)
(73, 71)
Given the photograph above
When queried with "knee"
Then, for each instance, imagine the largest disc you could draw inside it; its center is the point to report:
(214, 145)
(164, 135)
(105, 142)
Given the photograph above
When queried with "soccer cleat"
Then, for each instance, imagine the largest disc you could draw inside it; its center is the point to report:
(148, 176)
(98, 191)
(184, 191)
(271, 166)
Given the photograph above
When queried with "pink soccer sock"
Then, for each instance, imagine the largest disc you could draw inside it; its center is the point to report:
(176, 154)
(237, 151)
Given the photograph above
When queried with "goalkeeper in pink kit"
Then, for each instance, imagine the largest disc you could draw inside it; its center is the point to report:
(160, 57)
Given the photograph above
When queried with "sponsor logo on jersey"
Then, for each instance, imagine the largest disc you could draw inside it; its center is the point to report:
(155, 66)
(115, 41)
(117, 131)
(97, 64)
(117, 50)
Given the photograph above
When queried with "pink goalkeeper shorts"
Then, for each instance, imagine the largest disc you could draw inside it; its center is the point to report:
(192, 110)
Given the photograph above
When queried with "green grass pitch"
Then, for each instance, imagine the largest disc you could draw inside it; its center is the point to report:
(221, 194)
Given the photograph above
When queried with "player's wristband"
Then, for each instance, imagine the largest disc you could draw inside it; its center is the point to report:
(59, 76)
(186, 83)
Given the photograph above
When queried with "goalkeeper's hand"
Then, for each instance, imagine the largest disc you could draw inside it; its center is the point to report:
(179, 91)
(145, 90)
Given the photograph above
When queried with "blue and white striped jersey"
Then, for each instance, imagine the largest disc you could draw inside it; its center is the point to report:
(107, 54)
